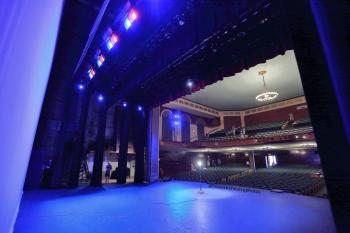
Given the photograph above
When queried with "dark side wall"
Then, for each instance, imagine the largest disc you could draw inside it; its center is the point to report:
(230, 121)
(281, 114)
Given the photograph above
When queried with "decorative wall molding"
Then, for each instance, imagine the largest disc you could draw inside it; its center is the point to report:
(193, 106)
(282, 104)
(211, 111)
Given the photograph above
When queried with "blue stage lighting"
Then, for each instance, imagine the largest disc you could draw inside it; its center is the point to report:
(132, 16)
(189, 83)
(100, 97)
(127, 24)
(125, 104)
(100, 60)
(81, 87)
(139, 108)
(112, 40)
(91, 72)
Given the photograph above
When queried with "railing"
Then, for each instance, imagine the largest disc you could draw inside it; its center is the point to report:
(240, 142)
(236, 176)
(313, 189)
(214, 130)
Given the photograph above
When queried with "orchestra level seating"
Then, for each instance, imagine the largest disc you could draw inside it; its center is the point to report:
(298, 180)
(211, 174)
(292, 179)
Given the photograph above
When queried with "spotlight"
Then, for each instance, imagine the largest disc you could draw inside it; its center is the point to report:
(112, 40)
(176, 123)
(81, 87)
(100, 60)
(127, 24)
(177, 116)
(91, 72)
(200, 164)
(189, 84)
(139, 108)
(132, 16)
(100, 97)
(125, 104)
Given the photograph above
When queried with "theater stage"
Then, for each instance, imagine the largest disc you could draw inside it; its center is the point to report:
(174, 207)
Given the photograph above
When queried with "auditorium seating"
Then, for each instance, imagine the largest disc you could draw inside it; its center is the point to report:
(283, 132)
(298, 180)
(269, 129)
(220, 133)
(302, 122)
(211, 174)
(264, 126)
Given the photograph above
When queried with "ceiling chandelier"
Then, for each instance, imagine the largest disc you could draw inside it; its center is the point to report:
(266, 95)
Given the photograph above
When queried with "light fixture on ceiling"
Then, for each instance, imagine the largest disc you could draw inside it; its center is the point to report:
(266, 95)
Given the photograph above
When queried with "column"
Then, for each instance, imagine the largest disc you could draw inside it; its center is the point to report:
(79, 150)
(65, 138)
(152, 158)
(123, 144)
(320, 37)
(139, 142)
(242, 119)
(96, 178)
(252, 161)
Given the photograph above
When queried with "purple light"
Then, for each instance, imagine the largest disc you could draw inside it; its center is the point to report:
(139, 108)
(112, 41)
(100, 60)
(132, 16)
(100, 97)
(91, 72)
(125, 104)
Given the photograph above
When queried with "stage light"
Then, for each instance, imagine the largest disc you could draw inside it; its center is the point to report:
(100, 97)
(200, 164)
(91, 72)
(125, 104)
(139, 108)
(132, 16)
(176, 123)
(177, 116)
(100, 60)
(189, 84)
(127, 24)
(112, 40)
(81, 87)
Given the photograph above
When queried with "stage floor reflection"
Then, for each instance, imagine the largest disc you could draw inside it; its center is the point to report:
(174, 207)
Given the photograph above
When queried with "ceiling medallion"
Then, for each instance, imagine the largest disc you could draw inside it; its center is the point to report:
(266, 95)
